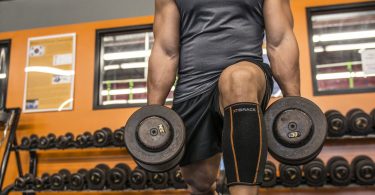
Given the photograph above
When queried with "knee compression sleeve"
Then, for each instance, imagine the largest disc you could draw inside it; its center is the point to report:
(244, 144)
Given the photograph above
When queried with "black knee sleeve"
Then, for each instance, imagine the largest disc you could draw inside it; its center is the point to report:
(244, 144)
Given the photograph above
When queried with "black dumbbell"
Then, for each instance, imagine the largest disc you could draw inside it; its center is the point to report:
(291, 176)
(103, 137)
(138, 179)
(372, 114)
(60, 180)
(363, 170)
(117, 177)
(158, 180)
(47, 142)
(176, 180)
(24, 183)
(84, 140)
(359, 122)
(269, 177)
(118, 137)
(65, 141)
(34, 141)
(25, 143)
(78, 181)
(42, 183)
(339, 171)
(315, 173)
(97, 177)
(337, 123)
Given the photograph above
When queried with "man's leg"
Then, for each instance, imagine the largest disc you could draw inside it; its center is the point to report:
(201, 176)
(242, 83)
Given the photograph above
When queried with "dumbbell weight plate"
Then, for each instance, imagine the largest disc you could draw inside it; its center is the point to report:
(372, 114)
(339, 171)
(315, 173)
(363, 169)
(269, 178)
(296, 130)
(337, 123)
(118, 137)
(359, 122)
(291, 176)
(138, 179)
(155, 138)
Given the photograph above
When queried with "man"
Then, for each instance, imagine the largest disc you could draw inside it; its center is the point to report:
(223, 86)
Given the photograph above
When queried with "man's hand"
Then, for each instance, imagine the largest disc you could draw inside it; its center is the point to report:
(164, 57)
(282, 47)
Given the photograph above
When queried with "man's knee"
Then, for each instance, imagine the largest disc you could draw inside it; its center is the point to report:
(200, 182)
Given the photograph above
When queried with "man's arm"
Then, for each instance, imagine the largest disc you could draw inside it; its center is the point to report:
(282, 47)
(164, 57)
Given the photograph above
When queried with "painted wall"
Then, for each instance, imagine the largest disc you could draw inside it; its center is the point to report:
(83, 117)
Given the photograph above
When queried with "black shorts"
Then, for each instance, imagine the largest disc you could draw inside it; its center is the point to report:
(204, 122)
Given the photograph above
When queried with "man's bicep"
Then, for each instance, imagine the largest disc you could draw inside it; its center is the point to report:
(167, 26)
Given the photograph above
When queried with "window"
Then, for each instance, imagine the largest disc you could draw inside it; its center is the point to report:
(121, 67)
(4, 66)
(342, 47)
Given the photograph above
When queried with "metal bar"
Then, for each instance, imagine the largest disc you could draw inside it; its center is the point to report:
(18, 158)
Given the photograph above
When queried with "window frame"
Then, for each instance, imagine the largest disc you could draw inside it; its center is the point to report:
(339, 8)
(7, 43)
(100, 33)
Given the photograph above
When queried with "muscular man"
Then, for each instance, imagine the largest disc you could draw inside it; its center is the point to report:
(223, 85)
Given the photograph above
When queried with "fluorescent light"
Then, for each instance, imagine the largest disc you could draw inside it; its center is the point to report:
(49, 70)
(64, 104)
(135, 101)
(113, 102)
(111, 67)
(344, 36)
(3, 76)
(133, 65)
(338, 64)
(341, 75)
(349, 47)
(126, 55)
(318, 49)
(127, 91)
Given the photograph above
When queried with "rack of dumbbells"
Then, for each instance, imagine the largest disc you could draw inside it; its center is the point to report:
(100, 178)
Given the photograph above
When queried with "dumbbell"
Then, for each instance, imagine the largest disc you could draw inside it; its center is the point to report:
(34, 141)
(269, 177)
(315, 173)
(78, 181)
(158, 180)
(291, 176)
(60, 180)
(337, 123)
(42, 183)
(47, 142)
(97, 177)
(24, 183)
(339, 171)
(102, 137)
(372, 114)
(359, 122)
(84, 140)
(29, 142)
(118, 137)
(117, 177)
(65, 141)
(176, 180)
(363, 170)
(138, 179)
(25, 143)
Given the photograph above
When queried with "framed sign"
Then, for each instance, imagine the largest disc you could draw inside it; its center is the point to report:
(50, 69)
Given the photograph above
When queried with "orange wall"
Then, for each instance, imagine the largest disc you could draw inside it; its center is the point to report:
(83, 117)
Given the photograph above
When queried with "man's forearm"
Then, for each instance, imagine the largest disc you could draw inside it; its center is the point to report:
(284, 59)
(161, 77)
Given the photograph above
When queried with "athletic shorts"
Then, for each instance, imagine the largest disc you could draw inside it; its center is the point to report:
(204, 122)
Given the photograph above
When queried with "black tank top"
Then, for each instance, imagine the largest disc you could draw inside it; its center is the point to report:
(215, 34)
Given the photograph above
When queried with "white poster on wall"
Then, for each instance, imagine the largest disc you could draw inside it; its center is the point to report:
(368, 61)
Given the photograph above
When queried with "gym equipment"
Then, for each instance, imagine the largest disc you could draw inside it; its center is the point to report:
(359, 122)
(291, 176)
(138, 179)
(339, 171)
(269, 177)
(158, 180)
(176, 179)
(102, 137)
(78, 181)
(118, 137)
(84, 140)
(60, 180)
(363, 170)
(34, 141)
(315, 173)
(296, 130)
(24, 183)
(117, 177)
(65, 141)
(155, 138)
(42, 183)
(25, 143)
(96, 178)
(337, 123)
(372, 114)
(47, 142)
